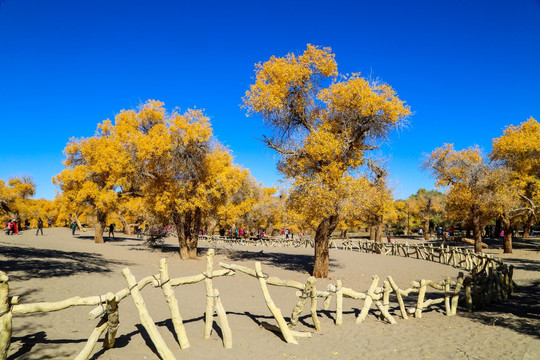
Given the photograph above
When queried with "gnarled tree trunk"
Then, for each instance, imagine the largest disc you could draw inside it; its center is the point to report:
(101, 223)
(527, 226)
(477, 232)
(426, 229)
(181, 234)
(322, 235)
(125, 225)
(507, 233)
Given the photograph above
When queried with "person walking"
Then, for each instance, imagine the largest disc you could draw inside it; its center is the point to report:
(73, 227)
(39, 227)
(111, 230)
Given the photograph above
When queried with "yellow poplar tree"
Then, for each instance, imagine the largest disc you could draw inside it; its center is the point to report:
(518, 150)
(175, 165)
(15, 199)
(470, 182)
(426, 204)
(93, 168)
(322, 126)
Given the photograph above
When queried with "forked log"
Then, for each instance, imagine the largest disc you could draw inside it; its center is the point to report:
(146, 320)
(304, 296)
(370, 296)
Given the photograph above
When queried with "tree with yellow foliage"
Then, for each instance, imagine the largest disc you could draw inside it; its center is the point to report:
(15, 198)
(470, 182)
(175, 166)
(93, 168)
(322, 124)
(426, 205)
(518, 150)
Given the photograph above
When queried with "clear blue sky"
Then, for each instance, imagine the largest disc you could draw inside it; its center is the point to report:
(466, 68)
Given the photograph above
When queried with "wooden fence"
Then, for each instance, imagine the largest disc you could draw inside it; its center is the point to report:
(489, 281)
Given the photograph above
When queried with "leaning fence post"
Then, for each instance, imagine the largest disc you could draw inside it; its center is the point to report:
(165, 284)
(5, 316)
(285, 331)
(223, 322)
(146, 319)
(304, 295)
(113, 321)
(92, 340)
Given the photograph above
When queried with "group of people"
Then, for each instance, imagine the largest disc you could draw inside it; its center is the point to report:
(13, 226)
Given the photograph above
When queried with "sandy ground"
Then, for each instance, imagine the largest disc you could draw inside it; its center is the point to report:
(57, 266)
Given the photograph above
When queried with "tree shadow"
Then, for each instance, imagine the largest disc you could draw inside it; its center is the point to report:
(294, 262)
(518, 313)
(29, 341)
(22, 263)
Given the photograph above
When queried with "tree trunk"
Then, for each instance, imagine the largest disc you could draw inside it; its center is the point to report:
(527, 226)
(426, 229)
(498, 228)
(101, 223)
(507, 233)
(193, 233)
(324, 230)
(127, 228)
(78, 222)
(477, 232)
(180, 231)
(372, 233)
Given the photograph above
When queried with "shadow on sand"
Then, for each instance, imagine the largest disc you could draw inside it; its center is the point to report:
(22, 263)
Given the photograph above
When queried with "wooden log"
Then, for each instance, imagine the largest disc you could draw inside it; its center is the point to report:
(353, 294)
(172, 303)
(455, 297)
(209, 313)
(339, 303)
(313, 309)
(271, 280)
(146, 320)
(386, 297)
(399, 296)
(113, 321)
(5, 316)
(304, 296)
(447, 308)
(223, 322)
(370, 295)
(199, 277)
(468, 294)
(92, 340)
(276, 312)
(119, 296)
(420, 302)
(384, 312)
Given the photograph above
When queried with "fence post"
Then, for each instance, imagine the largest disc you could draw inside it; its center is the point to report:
(146, 319)
(5, 316)
(165, 284)
(209, 314)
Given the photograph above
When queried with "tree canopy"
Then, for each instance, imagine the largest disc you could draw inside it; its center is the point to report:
(322, 125)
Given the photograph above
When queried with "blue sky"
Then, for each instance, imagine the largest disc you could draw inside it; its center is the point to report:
(467, 68)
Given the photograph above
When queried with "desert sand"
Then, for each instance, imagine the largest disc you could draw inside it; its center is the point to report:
(57, 266)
